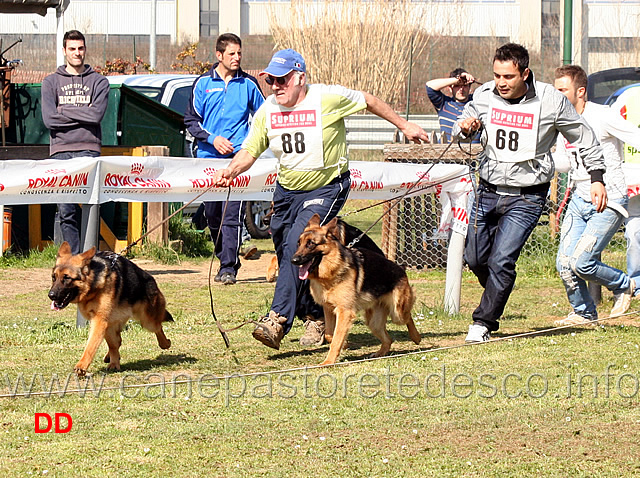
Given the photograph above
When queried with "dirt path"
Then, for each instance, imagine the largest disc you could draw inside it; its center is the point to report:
(15, 282)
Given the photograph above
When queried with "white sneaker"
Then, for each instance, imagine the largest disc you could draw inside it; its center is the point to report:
(574, 319)
(478, 333)
(623, 300)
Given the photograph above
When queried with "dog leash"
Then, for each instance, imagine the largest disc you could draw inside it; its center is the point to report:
(401, 197)
(126, 249)
(223, 331)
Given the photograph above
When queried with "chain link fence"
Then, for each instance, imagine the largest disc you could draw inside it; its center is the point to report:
(410, 230)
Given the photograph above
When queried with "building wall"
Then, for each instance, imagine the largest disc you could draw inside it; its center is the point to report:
(517, 20)
(112, 17)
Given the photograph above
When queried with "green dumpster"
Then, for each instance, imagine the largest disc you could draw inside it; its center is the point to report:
(131, 119)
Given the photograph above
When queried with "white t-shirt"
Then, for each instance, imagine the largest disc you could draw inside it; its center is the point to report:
(611, 130)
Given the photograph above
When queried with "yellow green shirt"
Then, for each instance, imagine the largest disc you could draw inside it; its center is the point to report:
(309, 139)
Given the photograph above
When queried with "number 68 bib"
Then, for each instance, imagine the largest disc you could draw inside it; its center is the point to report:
(512, 131)
(295, 134)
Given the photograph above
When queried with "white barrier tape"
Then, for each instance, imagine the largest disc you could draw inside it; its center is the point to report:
(169, 179)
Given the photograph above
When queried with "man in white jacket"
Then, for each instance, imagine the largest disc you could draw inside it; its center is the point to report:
(585, 233)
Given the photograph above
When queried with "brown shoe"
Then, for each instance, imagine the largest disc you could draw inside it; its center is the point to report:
(269, 330)
(248, 250)
(314, 331)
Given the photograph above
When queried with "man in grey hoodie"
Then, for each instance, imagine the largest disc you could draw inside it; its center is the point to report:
(74, 101)
(520, 119)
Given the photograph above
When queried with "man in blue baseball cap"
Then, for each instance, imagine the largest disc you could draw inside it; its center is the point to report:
(285, 61)
(303, 124)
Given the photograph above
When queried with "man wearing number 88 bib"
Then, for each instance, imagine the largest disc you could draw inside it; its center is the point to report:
(303, 124)
(519, 119)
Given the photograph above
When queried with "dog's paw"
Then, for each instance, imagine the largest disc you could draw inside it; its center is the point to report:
(327, 362)
(379, 353)
(165, 345)
(80, 370)
(113, 367)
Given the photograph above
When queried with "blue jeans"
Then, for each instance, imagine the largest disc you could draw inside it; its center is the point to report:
(70, 215)
(499, 226)
(584, 235)
(291, 213)
(632, 234)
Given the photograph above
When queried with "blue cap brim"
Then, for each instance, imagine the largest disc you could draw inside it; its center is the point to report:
(276, 70)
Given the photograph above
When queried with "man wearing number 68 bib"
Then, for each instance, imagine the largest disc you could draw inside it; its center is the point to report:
(519, 119)
(303, 124)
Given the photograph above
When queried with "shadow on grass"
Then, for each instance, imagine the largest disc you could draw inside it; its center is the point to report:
(161, 360)
(171, 271)
(361, 340)
(545, 331)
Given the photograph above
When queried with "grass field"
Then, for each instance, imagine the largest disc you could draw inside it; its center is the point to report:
(558, 404)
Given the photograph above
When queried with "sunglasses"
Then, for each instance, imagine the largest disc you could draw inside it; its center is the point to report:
(281, 80)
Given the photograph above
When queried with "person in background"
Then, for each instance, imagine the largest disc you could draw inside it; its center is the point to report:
(74, 101)
(217, 116)
(448, 96)
(586, 233)
(627, 105)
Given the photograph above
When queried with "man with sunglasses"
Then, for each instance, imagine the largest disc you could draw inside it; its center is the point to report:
(218, 117)
(303, 124)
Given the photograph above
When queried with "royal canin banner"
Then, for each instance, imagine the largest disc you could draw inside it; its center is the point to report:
(632, 176)
(168, 179)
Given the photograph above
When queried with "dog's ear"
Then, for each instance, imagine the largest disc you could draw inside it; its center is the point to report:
(332, 228)
(64, 250)
(88, 255)
(314, 221)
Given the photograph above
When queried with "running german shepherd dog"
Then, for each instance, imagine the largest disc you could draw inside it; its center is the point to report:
(346, 234)
(345, 280)
(108, 289)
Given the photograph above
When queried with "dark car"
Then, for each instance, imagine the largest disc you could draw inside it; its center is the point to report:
(603, 85)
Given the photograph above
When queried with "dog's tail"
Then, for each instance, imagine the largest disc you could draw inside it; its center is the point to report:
(167, 316)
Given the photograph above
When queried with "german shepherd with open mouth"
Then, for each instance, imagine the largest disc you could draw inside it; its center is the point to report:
(345, 280)
(109, 289)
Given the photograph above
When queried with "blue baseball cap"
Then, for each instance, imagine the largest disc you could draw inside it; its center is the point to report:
(283, 62)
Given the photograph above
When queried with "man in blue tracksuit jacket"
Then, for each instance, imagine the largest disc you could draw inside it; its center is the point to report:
(218, 118)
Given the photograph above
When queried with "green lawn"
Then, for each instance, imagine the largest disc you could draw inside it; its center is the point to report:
(557, 404)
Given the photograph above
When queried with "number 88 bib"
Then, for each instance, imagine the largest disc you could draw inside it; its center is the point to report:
(295, 134)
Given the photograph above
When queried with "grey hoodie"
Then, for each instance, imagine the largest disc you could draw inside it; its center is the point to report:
(557, 115)
(73, 107)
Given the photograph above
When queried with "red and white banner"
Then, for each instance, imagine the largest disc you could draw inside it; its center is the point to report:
(168, 179)
(632, 176)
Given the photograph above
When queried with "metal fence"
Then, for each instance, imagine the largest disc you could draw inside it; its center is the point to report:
(410, 230)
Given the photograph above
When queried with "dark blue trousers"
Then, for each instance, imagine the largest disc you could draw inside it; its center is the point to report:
(499, 226)
(70, 215)
(228, 244)
(292, 211)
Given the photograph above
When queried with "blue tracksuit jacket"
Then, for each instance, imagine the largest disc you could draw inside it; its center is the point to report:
(216, 109)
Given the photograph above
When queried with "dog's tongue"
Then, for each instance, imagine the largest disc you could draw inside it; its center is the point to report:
(303, 273)
(54, 306)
